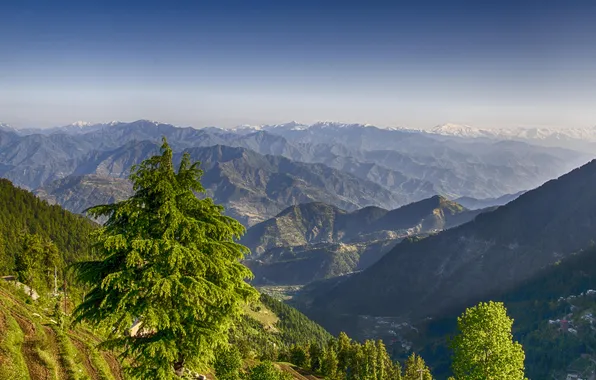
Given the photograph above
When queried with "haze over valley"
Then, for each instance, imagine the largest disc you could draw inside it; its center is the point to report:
(312, 190)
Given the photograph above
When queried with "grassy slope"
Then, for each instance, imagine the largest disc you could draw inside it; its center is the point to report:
(33, 347)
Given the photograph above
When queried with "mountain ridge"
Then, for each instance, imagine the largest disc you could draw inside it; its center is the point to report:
(315, 241)
(496, 250)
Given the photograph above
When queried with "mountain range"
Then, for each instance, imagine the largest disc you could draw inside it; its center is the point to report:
(316, 241)
(252, 186)
(475, 204)
(346, 165)
(572, 138)
(496, 251)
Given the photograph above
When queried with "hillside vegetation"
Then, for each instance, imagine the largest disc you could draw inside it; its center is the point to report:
(33, 344)
(494, 252)
(316, 241)
(21, 212)
(563, 291)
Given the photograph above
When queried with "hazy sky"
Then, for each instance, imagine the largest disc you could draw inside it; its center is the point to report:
(208, 62)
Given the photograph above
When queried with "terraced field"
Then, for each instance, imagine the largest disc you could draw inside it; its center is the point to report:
(33, 346)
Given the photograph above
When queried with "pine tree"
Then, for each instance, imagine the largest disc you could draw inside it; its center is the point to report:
(344, 350)
(299, 356)
(416, 369)
(396, 371)
(168, 261)
(370, 354)
(316, 356)
(357, 368)
(329, 364)
(386, 369)
(28, 262)
(484, 348)
(4, 259)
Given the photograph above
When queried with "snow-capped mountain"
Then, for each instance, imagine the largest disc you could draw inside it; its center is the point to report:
(6, 127)
(583, 139)
(460, 131)
(537, 133)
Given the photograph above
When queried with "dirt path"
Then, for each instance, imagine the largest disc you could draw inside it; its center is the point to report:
(114, 365)
(91, 371)
(55, 351)
(36, 366)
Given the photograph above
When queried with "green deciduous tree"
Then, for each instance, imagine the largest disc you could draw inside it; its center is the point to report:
(415, 369)
(169, 261)
(484, 348)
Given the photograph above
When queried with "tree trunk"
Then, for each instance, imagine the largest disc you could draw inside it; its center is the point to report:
(179, 367)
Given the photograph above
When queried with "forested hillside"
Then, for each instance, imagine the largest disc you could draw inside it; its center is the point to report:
(496, 251)
(316, 241)
(23, 213)
(564, 291)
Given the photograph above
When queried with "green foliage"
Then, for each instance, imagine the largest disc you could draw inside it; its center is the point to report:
(315, 354)
(386, 368)
(271, 337)
(228, 363)
(36, 261)
(23, 213)
(343, 358)
(265, 371)
(485, 349)
(299, 355)
(13, 363)
(295, 327)
(28, 262)
(169, 261)
(416, 369)
(329, 366)
(69, 356)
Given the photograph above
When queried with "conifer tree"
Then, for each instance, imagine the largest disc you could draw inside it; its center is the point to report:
(357, 368)
(416, 369)
(299, 356)
(371, 355)
(316, 356)
(386, 369)
(329, 364)
(169, 262)
(344, 350)
(484, 348)
(4, 259)
(28, 262)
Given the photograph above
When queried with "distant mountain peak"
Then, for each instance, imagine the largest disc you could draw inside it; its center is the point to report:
(461, 130)
(6, 127)
(80, 124)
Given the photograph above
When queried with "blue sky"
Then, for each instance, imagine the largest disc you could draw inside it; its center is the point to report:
(413, 64)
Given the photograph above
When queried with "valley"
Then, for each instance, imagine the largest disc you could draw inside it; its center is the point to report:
(297, 190)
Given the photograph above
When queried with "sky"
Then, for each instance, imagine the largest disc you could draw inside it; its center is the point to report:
(223, 63)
